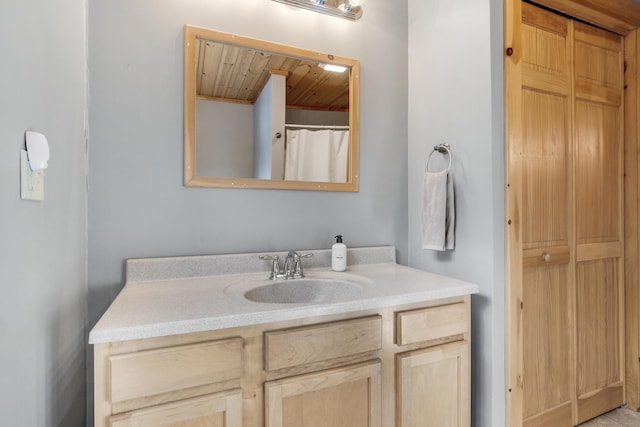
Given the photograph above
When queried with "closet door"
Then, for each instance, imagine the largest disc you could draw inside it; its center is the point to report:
(599, 220)
(568, 195)
(547, 211)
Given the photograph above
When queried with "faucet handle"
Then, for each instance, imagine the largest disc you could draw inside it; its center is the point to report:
(298, 271)
(275, 266)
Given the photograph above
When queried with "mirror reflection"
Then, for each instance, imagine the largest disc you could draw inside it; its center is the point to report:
(264, 115)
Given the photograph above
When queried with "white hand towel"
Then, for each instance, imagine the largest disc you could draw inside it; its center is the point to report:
(438, 211)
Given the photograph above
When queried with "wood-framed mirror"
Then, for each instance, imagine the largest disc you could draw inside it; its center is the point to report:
(259, 114)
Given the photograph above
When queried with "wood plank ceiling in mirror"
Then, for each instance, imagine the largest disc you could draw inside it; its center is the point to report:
(231, 73)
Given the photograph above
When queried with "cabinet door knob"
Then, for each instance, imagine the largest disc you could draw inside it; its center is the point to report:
(546, 257)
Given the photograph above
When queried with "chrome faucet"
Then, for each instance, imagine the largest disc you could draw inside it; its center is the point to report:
(276, 272)
(292, 268)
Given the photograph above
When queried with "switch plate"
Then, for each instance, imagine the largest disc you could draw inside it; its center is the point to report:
(31, 183)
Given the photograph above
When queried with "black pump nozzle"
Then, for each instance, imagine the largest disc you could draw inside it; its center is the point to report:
(339, 238)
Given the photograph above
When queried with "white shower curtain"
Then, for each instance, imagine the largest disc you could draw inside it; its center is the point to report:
(316, 155)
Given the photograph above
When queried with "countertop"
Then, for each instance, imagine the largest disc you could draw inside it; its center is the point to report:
(149, 306)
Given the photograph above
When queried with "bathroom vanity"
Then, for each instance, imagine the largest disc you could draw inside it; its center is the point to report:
(182, 345)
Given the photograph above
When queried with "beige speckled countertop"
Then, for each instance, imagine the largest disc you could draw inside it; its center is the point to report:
(183, 300)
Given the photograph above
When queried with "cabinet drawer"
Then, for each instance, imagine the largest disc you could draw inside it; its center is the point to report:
(151, 372)
(220, 409)
(315, 343)
(431, 323)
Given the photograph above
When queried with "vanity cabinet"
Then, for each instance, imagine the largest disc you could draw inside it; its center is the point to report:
(398, 366)
(433, 381)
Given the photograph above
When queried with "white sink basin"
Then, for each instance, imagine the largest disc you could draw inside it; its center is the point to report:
(299, 291)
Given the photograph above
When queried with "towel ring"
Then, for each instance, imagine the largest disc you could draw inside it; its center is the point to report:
(443, 149)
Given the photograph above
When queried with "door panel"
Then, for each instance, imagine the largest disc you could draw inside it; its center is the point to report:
(310, 409)
(598, 201)
(599, 332)
(545, 170)
(598, 55)
(432, 386)
(547, 340)
(349, 396)
(544, 41)
(547, 211)
(599, 337)
(598, 130)
(568, 170)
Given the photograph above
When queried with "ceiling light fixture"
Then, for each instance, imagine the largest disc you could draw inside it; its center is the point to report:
(348, 9)
(350, 5)
(332, 67)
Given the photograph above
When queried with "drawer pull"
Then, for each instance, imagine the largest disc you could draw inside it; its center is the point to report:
(546, 257)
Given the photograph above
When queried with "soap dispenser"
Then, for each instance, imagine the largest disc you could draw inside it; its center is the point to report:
(338, 255)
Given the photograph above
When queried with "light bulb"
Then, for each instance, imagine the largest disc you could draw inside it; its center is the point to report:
(349, 5)
(333, 68)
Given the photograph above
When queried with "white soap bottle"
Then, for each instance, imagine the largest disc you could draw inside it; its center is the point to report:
(339, 255)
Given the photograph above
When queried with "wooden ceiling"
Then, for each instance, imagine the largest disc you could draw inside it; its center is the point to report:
(619, 16)
(238, 74)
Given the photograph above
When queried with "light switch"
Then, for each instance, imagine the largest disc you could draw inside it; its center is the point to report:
(31, 182)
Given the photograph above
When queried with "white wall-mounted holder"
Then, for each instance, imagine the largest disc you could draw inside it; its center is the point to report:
(33, 161)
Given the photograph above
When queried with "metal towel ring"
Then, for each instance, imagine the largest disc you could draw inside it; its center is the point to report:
(443, 149)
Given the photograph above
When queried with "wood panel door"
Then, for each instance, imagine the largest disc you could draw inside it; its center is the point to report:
(599, 220)
(349, 396)
(565, 212)
(433, 387)
(547, 232)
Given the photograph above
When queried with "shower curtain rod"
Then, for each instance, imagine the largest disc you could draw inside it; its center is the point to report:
(316, 127)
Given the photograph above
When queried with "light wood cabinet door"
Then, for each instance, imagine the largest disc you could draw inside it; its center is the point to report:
(433, 387)
(349, 396)
(216, 410)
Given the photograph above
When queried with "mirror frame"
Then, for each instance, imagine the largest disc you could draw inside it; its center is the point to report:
(192, 180)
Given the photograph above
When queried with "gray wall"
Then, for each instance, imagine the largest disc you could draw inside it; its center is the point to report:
(224, 135)
(317, 117)
(455, 76)
(43, 244)
(137, 204)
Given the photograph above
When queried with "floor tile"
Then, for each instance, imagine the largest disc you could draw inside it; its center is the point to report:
(625, 417)
(621, 417)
